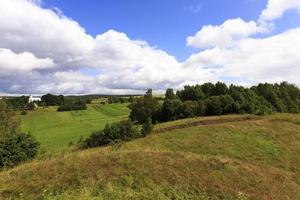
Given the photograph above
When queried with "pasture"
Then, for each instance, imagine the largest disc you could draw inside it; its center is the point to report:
(249, 157)
(56, 130)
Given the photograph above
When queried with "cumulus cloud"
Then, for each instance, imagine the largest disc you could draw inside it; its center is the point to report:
(26, 27)
(58, 56)
(225, 34)
(276, 8)
(11, 62)
(269, 59)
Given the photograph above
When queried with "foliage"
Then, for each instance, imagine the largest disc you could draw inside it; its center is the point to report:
(53, 100)
(115, 99)
(170, 94)
(18, 103)
(145, 107)
(15, 147)
(68, 106)
(147, 127)
(192, 93)
(9, 123)
(219, 99)
(120, 131)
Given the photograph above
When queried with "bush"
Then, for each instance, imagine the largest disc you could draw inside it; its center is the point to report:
(23, 112)
(80, 105)
(16, 148)
(147, 127)
(120, 131)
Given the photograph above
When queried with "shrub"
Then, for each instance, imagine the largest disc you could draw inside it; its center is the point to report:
(16, 148)
(23, 112)
(120, 131)
(79, 105)
(147, 127)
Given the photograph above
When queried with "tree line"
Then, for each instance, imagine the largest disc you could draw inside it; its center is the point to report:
(216, 99)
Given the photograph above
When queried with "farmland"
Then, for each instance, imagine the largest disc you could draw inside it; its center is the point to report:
(56, 130)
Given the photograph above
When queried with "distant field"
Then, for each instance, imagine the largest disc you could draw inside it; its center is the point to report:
(55, 130)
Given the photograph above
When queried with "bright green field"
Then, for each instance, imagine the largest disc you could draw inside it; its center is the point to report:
(55, 130)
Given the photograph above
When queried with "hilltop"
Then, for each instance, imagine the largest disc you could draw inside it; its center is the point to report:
(228, 157)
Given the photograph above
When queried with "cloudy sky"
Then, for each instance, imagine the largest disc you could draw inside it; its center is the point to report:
(116, 46)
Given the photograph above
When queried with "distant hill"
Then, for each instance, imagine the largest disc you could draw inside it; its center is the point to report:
(228, 157)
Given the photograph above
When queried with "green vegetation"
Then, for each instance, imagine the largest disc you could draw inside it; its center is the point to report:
(217, 99)
(114, 133)
(56, 130)
(72, 105)
(227, 157)
(15, 146)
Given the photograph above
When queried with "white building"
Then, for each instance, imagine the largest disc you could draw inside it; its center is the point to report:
(34, 98)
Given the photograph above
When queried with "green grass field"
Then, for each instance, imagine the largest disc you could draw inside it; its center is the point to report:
(253, 158)
(55, 130)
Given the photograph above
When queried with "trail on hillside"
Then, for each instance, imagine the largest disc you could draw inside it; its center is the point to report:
(207, 122)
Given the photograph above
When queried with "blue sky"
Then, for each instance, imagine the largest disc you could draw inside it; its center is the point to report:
(127, 46)
(162, 23)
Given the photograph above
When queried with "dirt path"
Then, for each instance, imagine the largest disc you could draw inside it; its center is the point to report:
(207, 122)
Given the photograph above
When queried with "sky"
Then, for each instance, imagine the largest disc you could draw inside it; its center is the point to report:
(122, 47)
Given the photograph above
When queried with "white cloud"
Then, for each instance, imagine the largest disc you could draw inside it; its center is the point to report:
(225, 34)
(270, 59)
(26, 27)
(55, 52)
(11, 62)
(276, 8)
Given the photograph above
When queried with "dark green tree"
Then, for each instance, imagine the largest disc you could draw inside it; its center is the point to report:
(170, 94)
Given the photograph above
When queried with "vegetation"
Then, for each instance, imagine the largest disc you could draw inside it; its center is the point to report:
(117, 132)
(53, 100)
(247, 158)
(15, 146)
(144, 107)
(116, 99)
(55, 130)
(217, 99)
(18, 103)
(72, 105)
(147, 127)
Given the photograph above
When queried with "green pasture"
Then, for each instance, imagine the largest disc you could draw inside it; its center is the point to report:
(56, 130)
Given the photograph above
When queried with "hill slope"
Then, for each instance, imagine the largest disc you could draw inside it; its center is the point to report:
(252, 158)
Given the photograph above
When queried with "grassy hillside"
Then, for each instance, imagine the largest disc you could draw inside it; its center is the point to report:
(55, 130)
(229, 157)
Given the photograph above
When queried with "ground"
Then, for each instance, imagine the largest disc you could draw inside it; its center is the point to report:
(227, 157)
(56, 130)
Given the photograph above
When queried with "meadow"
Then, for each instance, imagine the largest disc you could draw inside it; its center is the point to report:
(227, 157)
(56, 130)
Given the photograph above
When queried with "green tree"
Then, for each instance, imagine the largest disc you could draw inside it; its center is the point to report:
(191, 93)
(208, 89)
(172, 109)
(15, 147)
(147, 127)
(221, 89)
(144, 107)
(170, 94)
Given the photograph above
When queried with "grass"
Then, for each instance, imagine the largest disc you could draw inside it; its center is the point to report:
(56, 130)
(249, 159)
